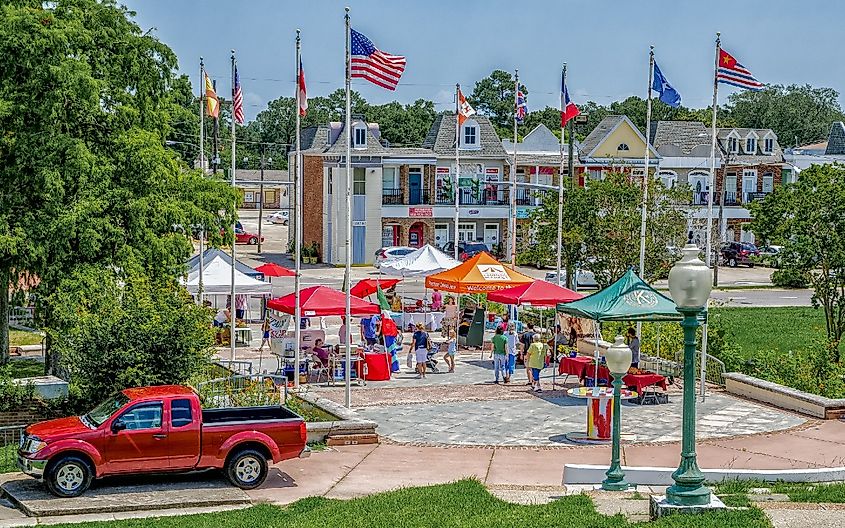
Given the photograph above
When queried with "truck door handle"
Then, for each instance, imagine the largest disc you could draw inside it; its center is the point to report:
(159, 436)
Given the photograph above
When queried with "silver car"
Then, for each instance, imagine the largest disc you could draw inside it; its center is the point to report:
(391, 252)
(584, 279)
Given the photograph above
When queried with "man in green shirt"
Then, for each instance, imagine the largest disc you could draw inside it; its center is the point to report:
(500, 355)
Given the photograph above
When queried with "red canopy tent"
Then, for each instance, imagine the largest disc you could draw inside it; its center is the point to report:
(370, 286)
(537, 293)
(272, 269)
(318, 301)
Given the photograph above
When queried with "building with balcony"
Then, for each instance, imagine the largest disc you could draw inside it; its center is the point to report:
(615, 145)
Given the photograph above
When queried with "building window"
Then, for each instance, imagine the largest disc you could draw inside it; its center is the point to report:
(466, 232)
(768, 145)
(768, 182)
(389, 178)
(668, 178)
(733, 145)
(359, 136)
(622, 147)
(470, 136)
(595, 174)
(330, 183)
(750, 145)
(359, 182)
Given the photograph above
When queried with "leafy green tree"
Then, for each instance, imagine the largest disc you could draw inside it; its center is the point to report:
(87, 101)
(405, 125)
(116, 330)
(797, 114)
(493, 96)
(808, 219)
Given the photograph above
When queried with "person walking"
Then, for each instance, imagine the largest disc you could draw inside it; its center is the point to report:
(265, 334)
(451, 350)
(500, 355)
(512, 344)
(634, 345)
(527, 338)
(536, 361)
(419, 344)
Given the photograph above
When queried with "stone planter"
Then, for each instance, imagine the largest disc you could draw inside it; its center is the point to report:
(784, 397)
(348, 423)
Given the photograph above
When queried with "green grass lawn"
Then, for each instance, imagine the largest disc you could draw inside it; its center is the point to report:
(735, 492)
(22, 337)
(25, 368)
(464, 504)
(8, 453)
(783, 329)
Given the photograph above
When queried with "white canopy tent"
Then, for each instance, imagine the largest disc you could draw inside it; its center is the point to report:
(217, 280)
(425, 261)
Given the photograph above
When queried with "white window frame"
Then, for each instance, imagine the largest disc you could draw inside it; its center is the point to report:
(356, 181)
(359, 142)
(498, 231)
(748, 174)
(768, 145)
(471, 125)
(385, 173)
(668, 178)
(623, 147)
(465, 228)
(768, 182)
(750, 145)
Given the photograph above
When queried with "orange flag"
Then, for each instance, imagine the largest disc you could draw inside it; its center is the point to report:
(464, 109)
(211, 101)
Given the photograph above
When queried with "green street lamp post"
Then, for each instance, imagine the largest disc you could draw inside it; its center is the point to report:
(690, 282)
(618, 358)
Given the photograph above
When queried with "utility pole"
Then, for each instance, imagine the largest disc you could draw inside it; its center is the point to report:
(261, 198)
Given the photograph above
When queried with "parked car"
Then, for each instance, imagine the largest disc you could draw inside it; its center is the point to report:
(391, 252)
(467, 250)
(736, 253)
(155, 430)
(770, 255)
(584, 279)
(279, 217)
(243, 236)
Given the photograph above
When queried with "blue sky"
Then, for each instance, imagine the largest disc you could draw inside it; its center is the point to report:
(605, 43)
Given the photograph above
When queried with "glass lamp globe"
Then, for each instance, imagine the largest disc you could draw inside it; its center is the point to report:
(690, 280)
(618, 356)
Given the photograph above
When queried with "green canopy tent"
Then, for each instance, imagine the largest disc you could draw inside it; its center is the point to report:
(628, 299)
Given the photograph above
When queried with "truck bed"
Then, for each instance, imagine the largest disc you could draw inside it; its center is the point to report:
(212, 417)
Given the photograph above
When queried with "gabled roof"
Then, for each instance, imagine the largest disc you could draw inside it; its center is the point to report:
(836, 140)
(338, 148)
(684, 135)
(540, 140)
(441, 138)
(758, 157)
(603, 130)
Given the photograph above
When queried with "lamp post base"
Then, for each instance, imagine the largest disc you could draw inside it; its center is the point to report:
(659, 506)
(612, 484)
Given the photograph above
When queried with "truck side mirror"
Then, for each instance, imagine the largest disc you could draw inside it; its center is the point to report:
(117, 426)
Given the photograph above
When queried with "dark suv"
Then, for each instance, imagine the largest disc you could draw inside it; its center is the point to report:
(466, 250)
(736, 253)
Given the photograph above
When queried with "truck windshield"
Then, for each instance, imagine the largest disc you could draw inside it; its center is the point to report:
(102, 412)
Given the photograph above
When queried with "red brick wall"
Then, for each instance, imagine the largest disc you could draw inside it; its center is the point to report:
(312, 200)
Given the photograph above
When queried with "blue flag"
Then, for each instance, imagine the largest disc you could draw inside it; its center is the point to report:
(667, 94)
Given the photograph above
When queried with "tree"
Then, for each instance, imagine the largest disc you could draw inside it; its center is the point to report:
(403, 125)
(116, 331)
(87, 101)
(493, 96)
(808, 219)
(797, 114)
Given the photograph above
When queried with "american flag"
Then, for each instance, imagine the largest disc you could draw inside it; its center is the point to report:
(521, 107)
(238, 100)
(374, 65)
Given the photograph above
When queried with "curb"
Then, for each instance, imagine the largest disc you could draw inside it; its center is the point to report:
(658, 476)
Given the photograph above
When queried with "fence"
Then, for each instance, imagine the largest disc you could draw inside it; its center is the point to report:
(10, 438)
(667, 367)
(243, 391)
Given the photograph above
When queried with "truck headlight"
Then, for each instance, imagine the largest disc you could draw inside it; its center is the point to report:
(32, 445)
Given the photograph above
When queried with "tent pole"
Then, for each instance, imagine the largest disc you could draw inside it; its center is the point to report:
(596, 371)
(554, 352)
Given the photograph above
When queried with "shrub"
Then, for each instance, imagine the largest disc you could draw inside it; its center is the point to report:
(13, 395)
(790, 278)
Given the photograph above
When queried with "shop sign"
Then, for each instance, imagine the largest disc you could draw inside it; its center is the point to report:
(420, 212)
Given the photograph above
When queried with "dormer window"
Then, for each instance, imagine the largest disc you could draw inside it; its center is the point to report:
(470, 135)
(359, 137)
(751, 145)
(733, 145)
(769, 145)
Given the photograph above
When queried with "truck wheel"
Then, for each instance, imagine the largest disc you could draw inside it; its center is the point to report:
(253, 241)
(68, 476)
(247, 469)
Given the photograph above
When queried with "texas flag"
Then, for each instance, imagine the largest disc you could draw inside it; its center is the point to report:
(568, 110)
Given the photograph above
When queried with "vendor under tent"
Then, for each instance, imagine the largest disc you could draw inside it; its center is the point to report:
(271, 269)
(628, 299)
(480, 274)
(537, 293)
(217, 280)
(367, 287)
(425, 261)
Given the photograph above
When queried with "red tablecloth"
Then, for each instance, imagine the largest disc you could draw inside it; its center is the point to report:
(640, 381)
(573, 365)
(589, 372)
(378, 366)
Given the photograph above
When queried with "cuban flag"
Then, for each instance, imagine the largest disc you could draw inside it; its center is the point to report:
(521, 107)
(568, 110)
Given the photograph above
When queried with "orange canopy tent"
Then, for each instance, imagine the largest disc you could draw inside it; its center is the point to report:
(480, 274)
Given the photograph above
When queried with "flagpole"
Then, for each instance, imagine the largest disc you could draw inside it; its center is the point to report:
(457, 164)
(645, 173)
(233, 307)
(512, 208)
(712, 183)
(202, 168)
(347, 277)
(560, 188)
(297, 310)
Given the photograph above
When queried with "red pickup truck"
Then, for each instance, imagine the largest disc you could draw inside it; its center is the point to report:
(160, 429)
